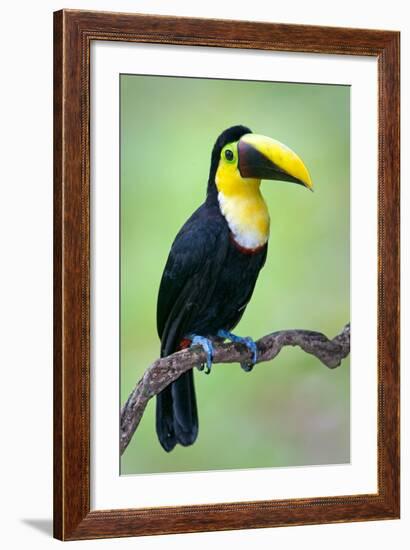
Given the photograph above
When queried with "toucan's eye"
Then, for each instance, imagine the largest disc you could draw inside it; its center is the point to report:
(229, 155)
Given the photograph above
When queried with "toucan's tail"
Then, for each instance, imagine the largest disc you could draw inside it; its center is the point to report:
(177, 416)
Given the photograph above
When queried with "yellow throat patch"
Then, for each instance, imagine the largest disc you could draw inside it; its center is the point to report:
(242, 205)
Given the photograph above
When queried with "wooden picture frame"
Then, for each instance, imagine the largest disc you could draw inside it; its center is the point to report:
(74, 32)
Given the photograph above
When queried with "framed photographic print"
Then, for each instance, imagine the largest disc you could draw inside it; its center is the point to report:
(226, 203)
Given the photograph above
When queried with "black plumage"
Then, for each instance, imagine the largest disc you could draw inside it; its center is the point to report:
(206, 285)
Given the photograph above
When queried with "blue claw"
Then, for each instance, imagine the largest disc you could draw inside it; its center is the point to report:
(252, 347)
(249, 343)
(208, 348)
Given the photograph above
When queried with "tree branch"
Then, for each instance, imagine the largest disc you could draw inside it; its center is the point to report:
(167, 369)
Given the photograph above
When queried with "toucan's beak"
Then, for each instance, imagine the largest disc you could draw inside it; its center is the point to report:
(262, 157)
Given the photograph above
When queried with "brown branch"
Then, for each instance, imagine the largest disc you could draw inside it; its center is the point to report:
(167, 369)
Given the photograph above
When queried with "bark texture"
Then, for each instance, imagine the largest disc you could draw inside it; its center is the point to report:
(167, 369)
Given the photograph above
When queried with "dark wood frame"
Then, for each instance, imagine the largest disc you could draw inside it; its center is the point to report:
(73, 33)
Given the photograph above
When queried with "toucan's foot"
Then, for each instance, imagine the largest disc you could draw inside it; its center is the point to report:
(249, 343)
(208, 348)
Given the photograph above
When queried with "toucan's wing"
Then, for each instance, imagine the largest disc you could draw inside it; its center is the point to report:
(250, 277)
(190, 274)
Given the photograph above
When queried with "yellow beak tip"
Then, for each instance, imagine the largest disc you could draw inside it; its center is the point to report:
(308, 182)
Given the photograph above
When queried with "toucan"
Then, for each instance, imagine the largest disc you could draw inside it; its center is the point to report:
(213, 265)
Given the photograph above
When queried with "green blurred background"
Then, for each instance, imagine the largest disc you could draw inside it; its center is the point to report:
(293, 410)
